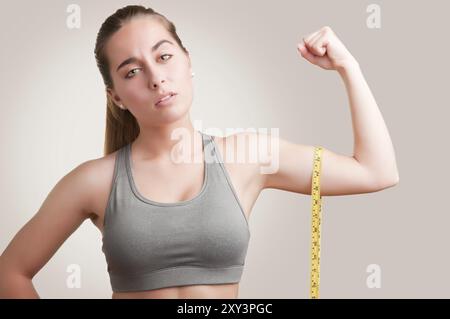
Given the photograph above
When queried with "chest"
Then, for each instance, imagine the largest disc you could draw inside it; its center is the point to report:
(169, 184)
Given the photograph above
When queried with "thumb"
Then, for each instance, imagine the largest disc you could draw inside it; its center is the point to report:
(306, 54)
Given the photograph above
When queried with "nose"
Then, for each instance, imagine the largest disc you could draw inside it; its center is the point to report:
(155, 77)
(155, 81)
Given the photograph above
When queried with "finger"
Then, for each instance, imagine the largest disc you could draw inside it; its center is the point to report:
(301, 48)
(308, 38)
(307, 54)
(312, 46)
(314, 39)
(319, 45)
(310, 42)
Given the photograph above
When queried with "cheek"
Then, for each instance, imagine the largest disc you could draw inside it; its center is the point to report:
(183, 78)
(178, 71)
(135, 84)
(133, 93)
(123, 86)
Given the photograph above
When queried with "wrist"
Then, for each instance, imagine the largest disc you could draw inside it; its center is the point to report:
(346, 66)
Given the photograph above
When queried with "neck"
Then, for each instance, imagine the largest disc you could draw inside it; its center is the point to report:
(162, 142)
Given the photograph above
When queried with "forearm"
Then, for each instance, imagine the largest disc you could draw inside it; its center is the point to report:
(373, 147)
(14, 286)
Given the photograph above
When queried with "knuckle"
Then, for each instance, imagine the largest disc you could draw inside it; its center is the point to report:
(317, 49)
(327, 29)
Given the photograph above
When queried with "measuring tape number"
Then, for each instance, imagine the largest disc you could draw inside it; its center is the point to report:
(316, 223)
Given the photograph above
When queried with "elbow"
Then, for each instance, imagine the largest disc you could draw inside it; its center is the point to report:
(388, 182)
(395, 179)
(14, 285)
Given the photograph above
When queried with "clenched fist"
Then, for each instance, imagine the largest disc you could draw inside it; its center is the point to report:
(323, 48)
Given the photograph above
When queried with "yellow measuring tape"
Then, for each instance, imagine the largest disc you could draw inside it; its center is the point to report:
(315, 223)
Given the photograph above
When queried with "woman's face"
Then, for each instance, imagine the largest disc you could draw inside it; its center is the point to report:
(154, 71)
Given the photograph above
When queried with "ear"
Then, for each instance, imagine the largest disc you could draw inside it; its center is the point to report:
(115, 98)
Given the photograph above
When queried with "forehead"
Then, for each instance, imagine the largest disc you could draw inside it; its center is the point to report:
(140, 33)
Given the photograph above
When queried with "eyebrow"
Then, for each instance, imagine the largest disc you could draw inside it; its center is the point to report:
(134, 59)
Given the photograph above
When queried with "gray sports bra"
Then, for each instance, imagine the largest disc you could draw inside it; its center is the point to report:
(150, 245)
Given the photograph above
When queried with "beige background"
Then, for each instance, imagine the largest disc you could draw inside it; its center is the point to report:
(248, 74)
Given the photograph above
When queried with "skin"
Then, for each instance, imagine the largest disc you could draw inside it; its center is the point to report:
(83, 192)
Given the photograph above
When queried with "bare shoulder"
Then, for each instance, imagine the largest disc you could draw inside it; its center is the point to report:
(91, 183)
(240, 155)
(74, 198)
(96, 175)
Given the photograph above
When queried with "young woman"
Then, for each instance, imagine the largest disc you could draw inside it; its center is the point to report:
(179, 229)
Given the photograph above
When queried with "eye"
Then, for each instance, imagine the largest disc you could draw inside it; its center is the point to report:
(128, 74)
(166, 54)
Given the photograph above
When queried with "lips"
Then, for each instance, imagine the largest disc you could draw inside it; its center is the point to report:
(164, 97)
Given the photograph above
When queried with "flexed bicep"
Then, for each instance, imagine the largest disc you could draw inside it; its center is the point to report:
(340, 174)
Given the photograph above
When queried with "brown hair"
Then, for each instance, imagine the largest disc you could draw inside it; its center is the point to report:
(121, 126)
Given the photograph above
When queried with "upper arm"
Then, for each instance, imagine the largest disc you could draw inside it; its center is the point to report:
(65, 208)
(340, 174)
